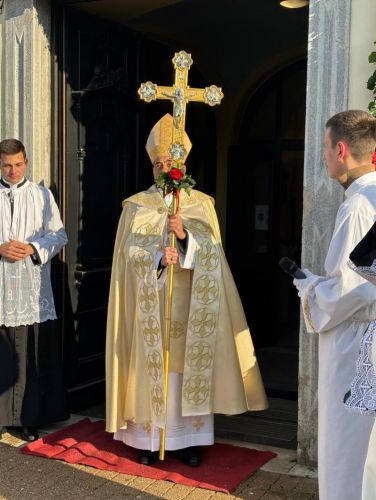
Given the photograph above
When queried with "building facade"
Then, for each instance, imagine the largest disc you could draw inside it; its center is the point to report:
(72, 109)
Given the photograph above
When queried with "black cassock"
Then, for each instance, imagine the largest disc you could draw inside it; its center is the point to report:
(31, 385)
(364, 254)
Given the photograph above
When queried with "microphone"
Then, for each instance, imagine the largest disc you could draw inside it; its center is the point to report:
(291, 268)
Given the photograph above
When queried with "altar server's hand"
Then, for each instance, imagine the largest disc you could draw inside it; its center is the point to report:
(170, 256)
(15, 250)
(302, 284)
(175, 225)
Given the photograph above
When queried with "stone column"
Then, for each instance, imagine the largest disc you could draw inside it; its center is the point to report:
(26, 81)
(327, 92)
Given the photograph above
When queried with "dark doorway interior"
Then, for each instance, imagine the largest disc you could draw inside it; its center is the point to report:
(264, 212)
(265, 187)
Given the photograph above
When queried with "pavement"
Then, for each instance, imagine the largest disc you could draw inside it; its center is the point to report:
(27, 477)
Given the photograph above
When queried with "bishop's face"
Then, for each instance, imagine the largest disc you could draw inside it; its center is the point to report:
(161, 164)
(13, 167)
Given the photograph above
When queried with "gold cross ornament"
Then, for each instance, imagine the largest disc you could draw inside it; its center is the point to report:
(180, 94)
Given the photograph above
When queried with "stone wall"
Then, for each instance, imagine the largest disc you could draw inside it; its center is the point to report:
(26, 81)
(327, 94)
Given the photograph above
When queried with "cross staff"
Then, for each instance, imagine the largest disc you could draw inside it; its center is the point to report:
(180, 94)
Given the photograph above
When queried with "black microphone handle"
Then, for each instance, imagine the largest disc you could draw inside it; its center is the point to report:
(289, 267)
(299, 275)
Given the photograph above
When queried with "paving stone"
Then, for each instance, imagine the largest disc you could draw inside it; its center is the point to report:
(159, 488)
(218, 495)
(253, 495)
(180, 491)
(107, 474)
(299, 495)
(141, 483)
(273, 495)
(263, 480)
(307, 485)
(124, 478)
(201, 494)
(285, 483)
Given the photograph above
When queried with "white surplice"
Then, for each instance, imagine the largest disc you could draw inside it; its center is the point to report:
(369, 476)
(340, 307)
(181, 432)
(362, 397)
(28, 213)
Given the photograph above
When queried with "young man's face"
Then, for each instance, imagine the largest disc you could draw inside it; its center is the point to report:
(13, 167)
(331, 155)
(161, 164)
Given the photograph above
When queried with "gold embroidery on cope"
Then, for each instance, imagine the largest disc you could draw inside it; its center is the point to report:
(196, 389)
(147, 298)
(157, 400)
(177, 329)
(151, 331)
(206, 289)
(203, 322)
(147, 235)
(143, 263)
(199, 356)
(198, 423)
(155, 365)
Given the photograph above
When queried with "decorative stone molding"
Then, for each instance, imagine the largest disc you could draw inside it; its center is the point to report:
(26, 81)
(327, 89)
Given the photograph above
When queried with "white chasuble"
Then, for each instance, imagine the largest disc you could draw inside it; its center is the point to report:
(29, 214)
(339, 307)
(211, 355)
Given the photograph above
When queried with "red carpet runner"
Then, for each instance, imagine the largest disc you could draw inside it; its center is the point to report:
(224, 466)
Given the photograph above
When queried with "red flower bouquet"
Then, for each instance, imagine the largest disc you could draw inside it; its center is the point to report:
(175, 180)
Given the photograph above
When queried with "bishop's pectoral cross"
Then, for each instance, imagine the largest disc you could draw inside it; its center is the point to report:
(180, 94)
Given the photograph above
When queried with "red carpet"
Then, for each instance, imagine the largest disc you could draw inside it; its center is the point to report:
(224, 466)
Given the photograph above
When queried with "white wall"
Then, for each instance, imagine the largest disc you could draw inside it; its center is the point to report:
(362, 38)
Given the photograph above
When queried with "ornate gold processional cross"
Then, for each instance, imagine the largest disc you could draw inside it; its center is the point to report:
(180, 94)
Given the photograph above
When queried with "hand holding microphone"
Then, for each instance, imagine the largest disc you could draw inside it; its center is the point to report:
(289, 267)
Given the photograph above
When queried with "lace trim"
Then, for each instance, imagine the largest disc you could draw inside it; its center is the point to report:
(366, 272)
(362, 397)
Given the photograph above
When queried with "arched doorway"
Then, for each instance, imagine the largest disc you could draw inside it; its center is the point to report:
(264, 214)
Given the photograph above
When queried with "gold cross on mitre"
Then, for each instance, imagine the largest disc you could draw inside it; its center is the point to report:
(180, 94)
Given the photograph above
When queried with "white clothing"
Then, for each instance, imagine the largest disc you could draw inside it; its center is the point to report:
(369, 476)
(181, 432)
(28, 213)
(340, 307)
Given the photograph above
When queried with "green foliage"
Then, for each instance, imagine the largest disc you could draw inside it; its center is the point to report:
(371, 84)
(169, 185)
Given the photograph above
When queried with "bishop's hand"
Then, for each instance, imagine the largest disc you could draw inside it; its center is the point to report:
(170, 256)
(175, 225)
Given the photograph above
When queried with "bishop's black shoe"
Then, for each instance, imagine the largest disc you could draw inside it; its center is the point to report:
(147, 457)
(25, 433)
(191, 456)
